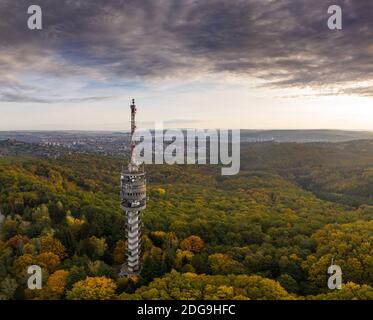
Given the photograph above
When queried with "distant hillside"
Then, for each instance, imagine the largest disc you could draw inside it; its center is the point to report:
(109, 137)
(42, 136)
(304, 135)
(17, 148)
(340, 172)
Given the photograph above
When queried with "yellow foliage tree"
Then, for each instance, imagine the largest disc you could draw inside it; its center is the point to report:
(120, 252)
(349, 291)
(74, 223)
(21, 264)
(223, 264)
(161, 191)
(183, 257)
(189, 286)
(49, 244)
(48, 260)
(93, 288)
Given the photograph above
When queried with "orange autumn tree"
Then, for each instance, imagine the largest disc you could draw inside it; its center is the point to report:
(57, 283)
(18, 241)
(193, 244)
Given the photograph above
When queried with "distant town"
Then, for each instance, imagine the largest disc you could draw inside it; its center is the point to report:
(112, 143)
(52, 143)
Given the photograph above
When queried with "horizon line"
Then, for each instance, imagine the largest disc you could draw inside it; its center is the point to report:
(127, 130)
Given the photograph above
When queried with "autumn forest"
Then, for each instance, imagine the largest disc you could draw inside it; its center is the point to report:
(269, 232)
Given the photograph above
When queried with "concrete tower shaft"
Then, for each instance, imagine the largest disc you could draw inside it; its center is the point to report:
(133, 202)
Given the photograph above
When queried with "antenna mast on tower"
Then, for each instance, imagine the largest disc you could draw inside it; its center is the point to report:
(132, 166)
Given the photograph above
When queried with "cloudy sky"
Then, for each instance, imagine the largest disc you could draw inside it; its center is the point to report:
(190, 63)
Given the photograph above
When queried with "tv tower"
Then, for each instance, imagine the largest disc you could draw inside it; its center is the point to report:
(133, 202)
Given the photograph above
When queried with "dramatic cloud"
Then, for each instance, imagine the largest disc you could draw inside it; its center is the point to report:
(286, 43)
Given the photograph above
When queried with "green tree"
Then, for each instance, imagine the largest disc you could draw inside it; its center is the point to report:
(7, 288)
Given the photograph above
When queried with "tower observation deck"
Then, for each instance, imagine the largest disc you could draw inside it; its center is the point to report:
(133, 202)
